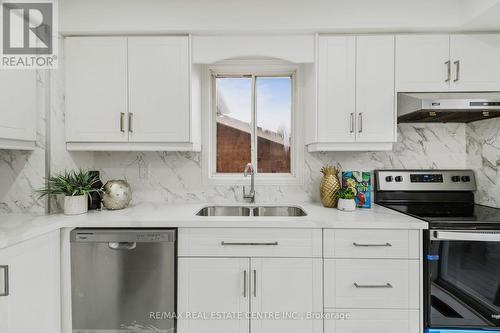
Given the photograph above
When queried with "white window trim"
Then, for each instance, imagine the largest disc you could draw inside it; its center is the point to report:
(259, 68)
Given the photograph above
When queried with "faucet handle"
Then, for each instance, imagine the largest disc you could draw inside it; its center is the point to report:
(248, 168)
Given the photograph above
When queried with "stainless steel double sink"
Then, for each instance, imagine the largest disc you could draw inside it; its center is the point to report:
(291, 211)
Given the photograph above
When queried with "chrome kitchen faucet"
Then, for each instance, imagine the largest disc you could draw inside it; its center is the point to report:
(250, 196)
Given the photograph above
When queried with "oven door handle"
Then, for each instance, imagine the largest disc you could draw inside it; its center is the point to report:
(478, 236)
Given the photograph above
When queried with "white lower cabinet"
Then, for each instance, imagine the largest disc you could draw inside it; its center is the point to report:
(31, 270)
(290, 287)
(371, 283)
(260, 294)
(213, 285)
(372, 321)
(236, 280)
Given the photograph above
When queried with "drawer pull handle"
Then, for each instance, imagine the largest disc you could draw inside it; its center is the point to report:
(248, 244)
(5, 291)
(387, 285)
(254, 283)
(245, 283)
(372, 245)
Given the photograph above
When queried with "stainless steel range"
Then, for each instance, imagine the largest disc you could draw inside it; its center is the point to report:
(461, 247)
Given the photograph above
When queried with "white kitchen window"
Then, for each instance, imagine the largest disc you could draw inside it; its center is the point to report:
(252, 120)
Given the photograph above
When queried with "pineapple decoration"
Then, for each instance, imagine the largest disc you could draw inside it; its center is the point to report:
(329, 186)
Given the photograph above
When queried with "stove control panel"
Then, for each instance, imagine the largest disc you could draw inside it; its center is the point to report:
(425, 180)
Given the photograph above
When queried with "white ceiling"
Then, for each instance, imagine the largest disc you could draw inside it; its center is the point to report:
(236, 16)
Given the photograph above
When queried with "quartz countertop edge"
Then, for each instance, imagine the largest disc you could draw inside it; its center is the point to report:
(16, 228)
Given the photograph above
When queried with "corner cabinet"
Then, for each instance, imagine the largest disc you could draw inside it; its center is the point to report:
(30, 286)
(441, 63)
(130, 93)
(355, 94)
(234, 279)
(18, 104)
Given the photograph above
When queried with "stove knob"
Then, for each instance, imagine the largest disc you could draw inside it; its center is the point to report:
(455, 179)
(398, 179)
(466, 179)
(388, 179)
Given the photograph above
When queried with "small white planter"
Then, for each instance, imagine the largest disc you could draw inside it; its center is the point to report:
(76, 205)
(346, 205)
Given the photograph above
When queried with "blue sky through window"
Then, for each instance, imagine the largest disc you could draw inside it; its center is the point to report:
(274, 101)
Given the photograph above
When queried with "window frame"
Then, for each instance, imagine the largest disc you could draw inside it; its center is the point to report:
(251, 69)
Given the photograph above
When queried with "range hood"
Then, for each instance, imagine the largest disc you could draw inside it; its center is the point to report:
(455, 107)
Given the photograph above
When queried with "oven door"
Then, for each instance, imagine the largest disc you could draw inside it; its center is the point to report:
(463, 280)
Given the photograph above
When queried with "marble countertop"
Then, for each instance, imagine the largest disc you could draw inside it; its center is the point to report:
(15, 228)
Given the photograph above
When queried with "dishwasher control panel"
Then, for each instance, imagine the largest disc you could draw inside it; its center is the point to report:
(123, 235)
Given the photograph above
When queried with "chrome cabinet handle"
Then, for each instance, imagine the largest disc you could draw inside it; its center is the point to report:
(352, 122)
(371, 245)
(5, 291)
(254, 283)
(360, 115)
(387, 285)
(130, 117)
(448, 71)
(245, 283)
(122, 122)
(457, 74)
(248, 244)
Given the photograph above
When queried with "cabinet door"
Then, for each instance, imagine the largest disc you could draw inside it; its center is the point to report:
(289, 286)
(213, 286)
(96, 89)
(18, 105)
(159, 89)
(376, 121)
(33, 303)
(421, 63)
(475, 62)
(336, 89)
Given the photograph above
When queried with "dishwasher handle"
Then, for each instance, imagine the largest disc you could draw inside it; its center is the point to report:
(122, 245)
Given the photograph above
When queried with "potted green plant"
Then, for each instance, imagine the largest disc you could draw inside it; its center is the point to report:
(346, 197)
(76, 186)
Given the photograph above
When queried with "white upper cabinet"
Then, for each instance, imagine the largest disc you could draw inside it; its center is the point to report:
(96, 89)
(462, 62)
(475, 61)
(336, 89)
(158, 89)
(130, 93)
(355, 94)
(18, 103)
(422, 63)
(375, 89)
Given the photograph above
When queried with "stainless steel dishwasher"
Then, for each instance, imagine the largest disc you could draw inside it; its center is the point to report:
(123, 280)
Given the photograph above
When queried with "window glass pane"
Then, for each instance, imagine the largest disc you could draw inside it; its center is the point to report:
(234, 118)
(274, 123)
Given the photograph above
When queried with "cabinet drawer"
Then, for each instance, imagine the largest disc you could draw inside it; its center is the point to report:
(371, 283)
(346, 243)
(249, 242)
(372, 321)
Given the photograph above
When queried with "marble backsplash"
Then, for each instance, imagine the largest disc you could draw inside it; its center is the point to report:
(177, 177)
(483, 156)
